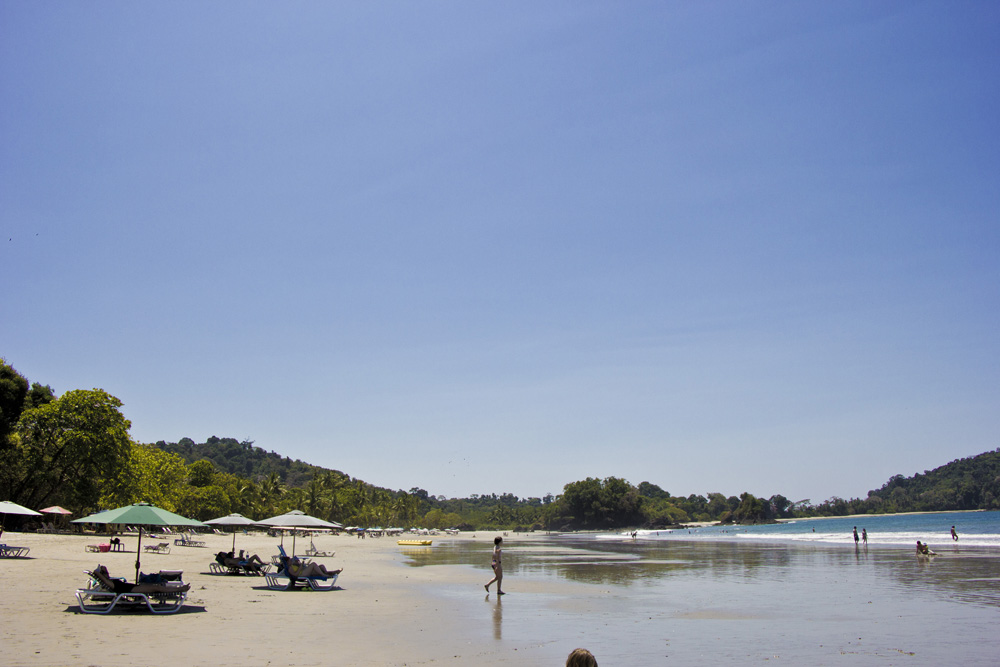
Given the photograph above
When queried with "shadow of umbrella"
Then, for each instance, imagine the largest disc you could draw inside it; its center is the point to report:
(141, 515)
(235, 520)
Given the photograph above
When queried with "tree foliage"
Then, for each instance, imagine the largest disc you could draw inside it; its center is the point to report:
(74, 450)
(66, 447)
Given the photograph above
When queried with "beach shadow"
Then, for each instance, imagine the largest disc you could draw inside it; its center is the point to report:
(295, 588)
(138, 610)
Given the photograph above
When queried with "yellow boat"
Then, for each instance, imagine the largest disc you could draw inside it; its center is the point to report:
(414, 543)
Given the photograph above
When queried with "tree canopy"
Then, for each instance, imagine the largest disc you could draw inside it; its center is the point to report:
(75, 450)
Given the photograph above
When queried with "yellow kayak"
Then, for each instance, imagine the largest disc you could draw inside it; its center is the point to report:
(414, 543)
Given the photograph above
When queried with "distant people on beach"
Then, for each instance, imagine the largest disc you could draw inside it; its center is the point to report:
(954, 535)
(855, 536)
(924, 550)
(581, 657)
(864, 536)
(497, 566)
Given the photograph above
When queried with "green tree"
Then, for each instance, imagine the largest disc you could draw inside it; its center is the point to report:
(38, 395)
(13, 391)
(201, 473)
(594, 503)
(150, 475)
(67, 448)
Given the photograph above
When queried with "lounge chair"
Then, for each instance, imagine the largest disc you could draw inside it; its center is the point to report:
(316, 553)
(103, 593)
(10, 551)
(161, 548)
(278, 558)
(226, 563)
(185, 541)
(283, 581)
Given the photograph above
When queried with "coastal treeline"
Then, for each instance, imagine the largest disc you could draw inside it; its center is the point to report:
(75, 450)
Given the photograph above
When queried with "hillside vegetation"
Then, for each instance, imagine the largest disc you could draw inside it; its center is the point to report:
(74, 450)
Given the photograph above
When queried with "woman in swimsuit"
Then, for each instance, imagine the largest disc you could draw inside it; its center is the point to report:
(497, 566)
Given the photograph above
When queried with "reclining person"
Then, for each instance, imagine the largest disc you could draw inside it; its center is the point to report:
(227, 559)
(119, 586)
(296, 568)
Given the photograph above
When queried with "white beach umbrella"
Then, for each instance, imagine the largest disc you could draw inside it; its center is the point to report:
(7, 507)
(235, 520)
(297, 519)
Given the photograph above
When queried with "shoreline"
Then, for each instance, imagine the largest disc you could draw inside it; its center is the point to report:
(426, 605)
(852, 516)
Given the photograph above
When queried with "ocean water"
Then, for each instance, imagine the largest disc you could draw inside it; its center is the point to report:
(718, 596)
(975, 529)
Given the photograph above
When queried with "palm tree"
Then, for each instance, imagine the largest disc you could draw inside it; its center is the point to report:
(314, 496)
(270, 490)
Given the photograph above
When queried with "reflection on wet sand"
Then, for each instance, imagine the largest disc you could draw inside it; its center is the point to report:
(497, 617)
(971, 576)
(746, 600)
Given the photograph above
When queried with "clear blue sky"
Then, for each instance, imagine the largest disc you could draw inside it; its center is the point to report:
(500, 247)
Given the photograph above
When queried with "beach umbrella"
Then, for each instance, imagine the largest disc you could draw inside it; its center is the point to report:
(296, 519)
(235, 520)
(7, 507)
(58, 511)
(141, 515)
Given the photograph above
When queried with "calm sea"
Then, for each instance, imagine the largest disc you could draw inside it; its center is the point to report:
(797, 593)
(975, 529)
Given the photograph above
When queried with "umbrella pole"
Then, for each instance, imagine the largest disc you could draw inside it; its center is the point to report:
(234, 540)
(138, 552)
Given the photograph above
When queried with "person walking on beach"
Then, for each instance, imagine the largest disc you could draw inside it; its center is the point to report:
(954, 535)
(497, 566)
(855, 536)
(864, 536)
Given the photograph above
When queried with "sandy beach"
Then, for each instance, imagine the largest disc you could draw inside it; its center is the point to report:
(383, 613)
(684, 603)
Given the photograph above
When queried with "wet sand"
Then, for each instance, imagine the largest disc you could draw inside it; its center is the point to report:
(631, 604)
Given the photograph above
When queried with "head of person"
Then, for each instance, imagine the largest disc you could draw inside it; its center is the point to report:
(497, 540)
(581, 657)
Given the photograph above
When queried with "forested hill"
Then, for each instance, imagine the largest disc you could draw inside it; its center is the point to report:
(74, 450)
(964, 484)
(243, 459)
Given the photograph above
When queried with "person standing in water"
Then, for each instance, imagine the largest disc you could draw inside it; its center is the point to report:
(954, 535)
(497, 566)
(864, 536)
(855, 536)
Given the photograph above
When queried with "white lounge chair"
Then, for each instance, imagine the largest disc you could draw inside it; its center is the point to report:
(161, 548)
(185, 541)
(10, 551)
(316, 553)
(280, 581)
(99, 596)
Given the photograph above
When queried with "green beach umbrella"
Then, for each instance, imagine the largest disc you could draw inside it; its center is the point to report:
(139, 514)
